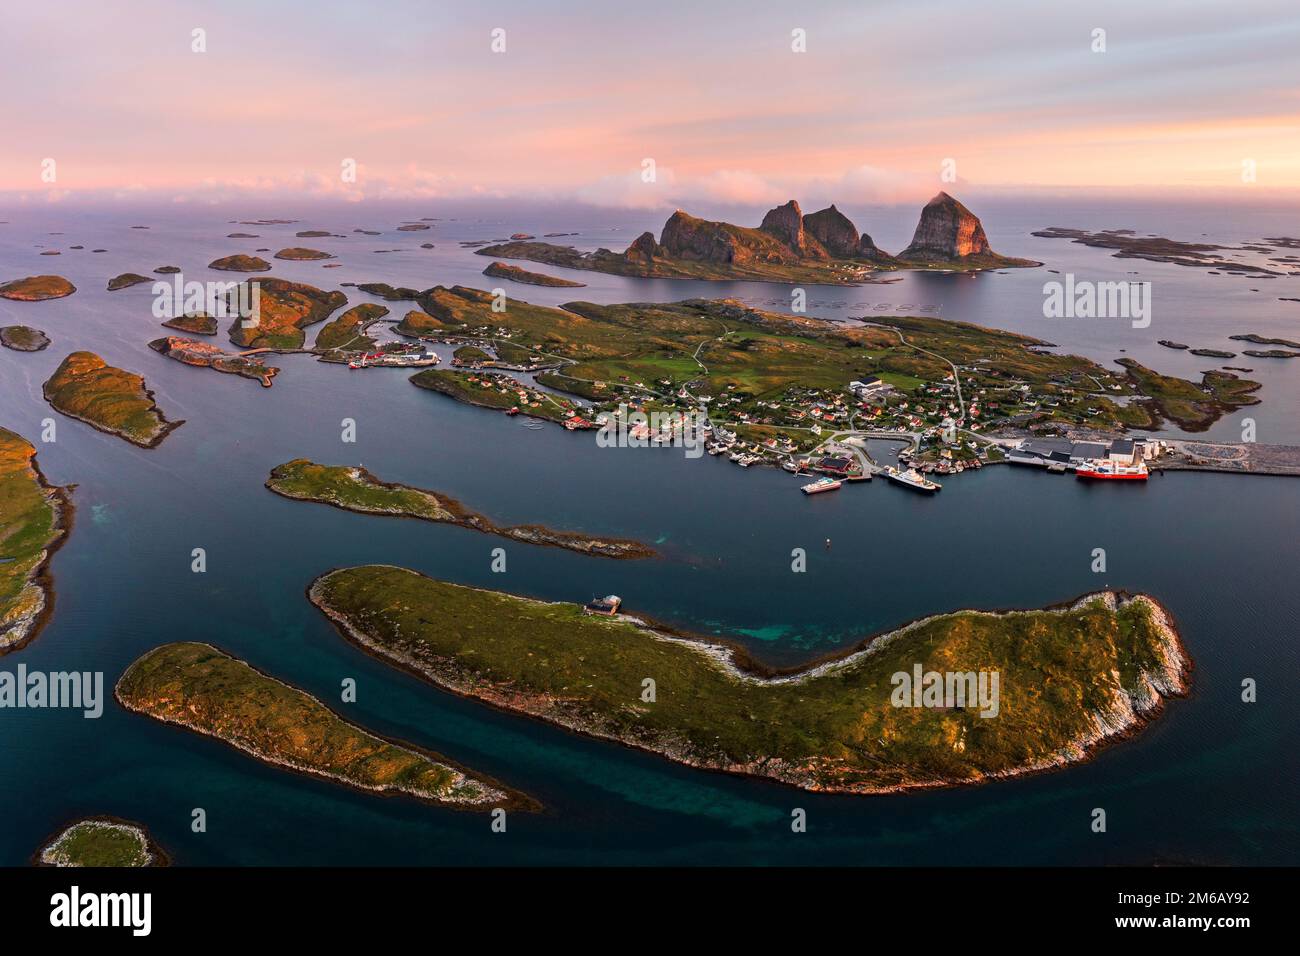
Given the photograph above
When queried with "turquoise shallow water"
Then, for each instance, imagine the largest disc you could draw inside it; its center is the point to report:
(1214, 780)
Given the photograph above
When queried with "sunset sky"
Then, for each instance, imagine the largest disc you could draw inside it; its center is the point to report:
(711, 91)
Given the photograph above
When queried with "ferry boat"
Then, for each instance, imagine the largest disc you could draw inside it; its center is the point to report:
(1112, 470)
(820, 485)
(912, 479)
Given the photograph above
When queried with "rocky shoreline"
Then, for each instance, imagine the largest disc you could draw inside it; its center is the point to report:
(1124, 715)
(53, 853)
(25, 627)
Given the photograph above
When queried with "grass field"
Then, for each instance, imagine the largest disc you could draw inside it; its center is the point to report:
(29, 527)
(87, 388)
(1064, 676)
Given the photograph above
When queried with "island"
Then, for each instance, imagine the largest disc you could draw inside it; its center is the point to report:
(388, 292)
(22, 338)
(203, 689)
(348, 331)
(285, 309)
(126, 280)
(1069, 678)
(1129, 245)
(87, 388)
(824, 248)
(501, 270)
(356, 489)
(34, 521)
(206, 355)
(782, 380)
(193, 323)
(102, 842)
(240, 263)
(299, 253)
(36, 288)
(1257, 339)
(1193, 407)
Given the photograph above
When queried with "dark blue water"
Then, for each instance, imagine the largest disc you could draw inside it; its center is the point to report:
(1213, 780)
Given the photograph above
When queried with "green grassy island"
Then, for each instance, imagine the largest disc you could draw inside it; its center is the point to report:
(205, 690)
(36, 288)
(194, 323)
(285, 309)
(356, 489)
(757, 368)
(87, 388)
(348, 331)
(34, 518)
(102, 842)
(1070, 679)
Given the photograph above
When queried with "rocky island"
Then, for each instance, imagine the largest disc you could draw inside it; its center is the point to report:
(87, 388)
(36, 288)
(22, 338)
(34, 520)
(126, 280)
(206, 355)
(821, 248)
(240, 263)
(285, 309)
(200, 688)
(1069, 679)
(102, 842)
(193, 323)
(501, 270)
(356, 489)
(348, 331)
(298, 253)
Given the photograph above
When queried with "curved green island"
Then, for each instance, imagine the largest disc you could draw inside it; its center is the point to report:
(1070, 679)
(34, 519)
(203, 689)
(348, 331)
(356, 489)
(36, 288)
(102, 841)
(87, 388)
(195, 323)
(126, 280)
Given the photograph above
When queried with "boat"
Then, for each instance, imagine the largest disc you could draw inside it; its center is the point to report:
(1112, 470)
(513, 410)
(912, 479)
(820, 485)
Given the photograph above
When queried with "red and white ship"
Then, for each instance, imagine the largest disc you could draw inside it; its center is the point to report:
(1112, 470)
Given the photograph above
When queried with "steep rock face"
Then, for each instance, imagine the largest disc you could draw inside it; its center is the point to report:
(786, 223)
(834, 231)
(689, 238)
(869, 250)
(643, 248)
(947, 230)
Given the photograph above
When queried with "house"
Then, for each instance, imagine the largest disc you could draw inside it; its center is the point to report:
(1124, 451)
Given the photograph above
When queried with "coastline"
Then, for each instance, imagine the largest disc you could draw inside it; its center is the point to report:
(1124, 717)
(60, 499)
(156, 854)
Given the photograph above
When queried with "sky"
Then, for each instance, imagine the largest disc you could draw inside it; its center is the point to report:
(885, 102)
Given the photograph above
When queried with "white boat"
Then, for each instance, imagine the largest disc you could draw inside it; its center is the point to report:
(912, 479)
(820, 485)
